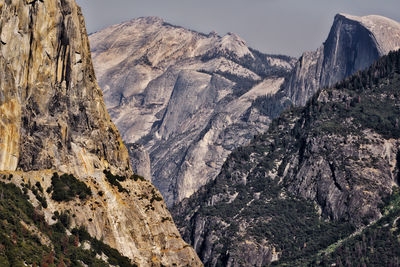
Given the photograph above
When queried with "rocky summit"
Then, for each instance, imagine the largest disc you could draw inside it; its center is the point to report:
(184, 96)
(56, 134)
(353, 44)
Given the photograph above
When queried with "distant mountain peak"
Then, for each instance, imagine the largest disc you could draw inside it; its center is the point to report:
(353, 44)
(368, 18)
(385, 30)
(149, 20)
(233, 43)
(183, 91)
(213, 34)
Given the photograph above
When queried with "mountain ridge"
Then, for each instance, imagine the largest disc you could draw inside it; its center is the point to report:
(245, 79)
(370, 22)
(353, 44)
(328, 167)
(178, 82)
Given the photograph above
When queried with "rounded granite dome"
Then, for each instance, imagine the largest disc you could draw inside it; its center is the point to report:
(385, 30)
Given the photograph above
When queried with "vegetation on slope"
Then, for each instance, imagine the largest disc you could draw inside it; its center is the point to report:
(26, 238)
(258, 195)
(114, 180)
(66, 187)
(377, 245)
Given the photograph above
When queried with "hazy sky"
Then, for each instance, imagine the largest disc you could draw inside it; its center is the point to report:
(287, 27)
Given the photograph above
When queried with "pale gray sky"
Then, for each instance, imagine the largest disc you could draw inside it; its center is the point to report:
(287, 27)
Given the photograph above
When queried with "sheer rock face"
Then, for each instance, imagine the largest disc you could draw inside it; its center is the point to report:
(53, 117)
(183, 95)
(140, 160)
(353, 44)
(56, 117)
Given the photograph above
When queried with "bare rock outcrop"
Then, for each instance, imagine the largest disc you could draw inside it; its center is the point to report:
(140, 160)
(353, 44)
(58, 119)
(184, 96)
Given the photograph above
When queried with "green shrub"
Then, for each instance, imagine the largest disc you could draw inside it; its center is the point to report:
(114, 180)
(39, 187)
(66, 187)
(137, 177)
(155, 196)
(114, 257)
(39, 194)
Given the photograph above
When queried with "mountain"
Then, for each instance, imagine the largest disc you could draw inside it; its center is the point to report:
(295, 194)
(183, 95)
(353, 44)
(189, 98)
(60, 147)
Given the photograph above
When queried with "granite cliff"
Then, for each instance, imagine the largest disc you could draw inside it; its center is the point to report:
(353, 44)
(183, 95)
(53, 120)
(140, 160)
